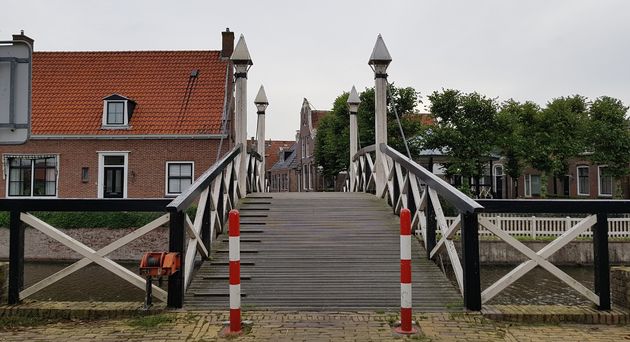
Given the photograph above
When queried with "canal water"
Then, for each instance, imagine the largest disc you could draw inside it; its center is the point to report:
(93, 283)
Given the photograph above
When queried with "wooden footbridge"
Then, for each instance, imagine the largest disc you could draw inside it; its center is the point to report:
(322, 250)
(319, 251)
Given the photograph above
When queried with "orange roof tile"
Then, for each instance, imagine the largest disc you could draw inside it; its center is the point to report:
(69, 87)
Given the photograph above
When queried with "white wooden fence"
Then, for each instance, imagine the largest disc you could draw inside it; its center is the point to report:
(537, 227)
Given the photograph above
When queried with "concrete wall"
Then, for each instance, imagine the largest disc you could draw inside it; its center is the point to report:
(620, 286)
(575, 253)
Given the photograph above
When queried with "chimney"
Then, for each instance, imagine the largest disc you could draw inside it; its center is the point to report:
(22, 37)
(227, 46)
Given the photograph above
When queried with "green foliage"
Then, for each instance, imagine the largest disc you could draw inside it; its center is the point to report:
(332, 144)
(114, 220)
(466, 127)
(609, 136)
(557, 134)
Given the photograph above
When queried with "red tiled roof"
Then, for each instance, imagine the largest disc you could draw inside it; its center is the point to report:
(317, 115)
(69, 87)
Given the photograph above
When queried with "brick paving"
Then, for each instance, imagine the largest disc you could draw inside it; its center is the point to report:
(312, 326)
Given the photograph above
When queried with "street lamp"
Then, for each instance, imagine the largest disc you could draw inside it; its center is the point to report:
(379, 61)
(242, 62)
(353, 105)
(261, 103)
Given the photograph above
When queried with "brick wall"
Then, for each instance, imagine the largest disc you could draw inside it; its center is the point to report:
(147, 162)
(620, 286)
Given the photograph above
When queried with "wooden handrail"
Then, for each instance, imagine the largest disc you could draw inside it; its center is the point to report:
(457, 198)
(366, 149)
(184, 200)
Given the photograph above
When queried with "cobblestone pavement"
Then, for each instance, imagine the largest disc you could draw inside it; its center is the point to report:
(308, 326)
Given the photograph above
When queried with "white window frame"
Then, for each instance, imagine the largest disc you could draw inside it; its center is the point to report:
(168, 194)
(599, 184)
(8, 176)
(101, 170)
(588, 183)
(125, 123)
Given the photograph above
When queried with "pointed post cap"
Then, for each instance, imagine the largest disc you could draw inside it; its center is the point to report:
(241, 53)
(353, 101)
(380, 54)
(262, 96)
(261, 101)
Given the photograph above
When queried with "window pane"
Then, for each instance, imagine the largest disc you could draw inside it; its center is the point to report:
(535, 185)
(186, 170)
(605, 182)
(50, 175)
(527, 185)
(50, 189)
(115, 112)
(173, 186)
(174, 170)
(114, 160)
(583, 183)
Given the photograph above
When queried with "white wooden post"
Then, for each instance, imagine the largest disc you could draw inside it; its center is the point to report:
(379, 60)
(533, 227)
(353, 105)
(242, 61)
(261, 103)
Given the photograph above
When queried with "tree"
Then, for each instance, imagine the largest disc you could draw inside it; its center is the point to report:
(513, 136)
(609, 137)
(332, 144)
(556, 135)
(466, 129)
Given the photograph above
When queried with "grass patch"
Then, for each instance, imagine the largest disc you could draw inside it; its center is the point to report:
(455, 305)
(13, 322)
(152, 321)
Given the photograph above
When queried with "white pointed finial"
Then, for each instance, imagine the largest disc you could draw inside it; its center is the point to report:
(380, 54)
(261, 97)
(354, 97)
(353, 101)
(241, 53)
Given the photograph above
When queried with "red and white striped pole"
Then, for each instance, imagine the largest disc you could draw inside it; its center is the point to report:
(235, 271)
(406, 326)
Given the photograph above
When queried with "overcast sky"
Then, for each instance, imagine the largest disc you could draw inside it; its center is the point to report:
(526, 50)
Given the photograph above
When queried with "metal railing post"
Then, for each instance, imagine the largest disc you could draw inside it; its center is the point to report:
(176, 244)
(470, 253)
(16, 257)
(601, 262)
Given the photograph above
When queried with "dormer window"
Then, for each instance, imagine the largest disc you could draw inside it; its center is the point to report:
(117, 111)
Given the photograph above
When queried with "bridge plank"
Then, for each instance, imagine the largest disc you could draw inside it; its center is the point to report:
(321, 251)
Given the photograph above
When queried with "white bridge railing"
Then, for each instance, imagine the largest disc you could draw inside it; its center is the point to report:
(408, 185)
(214, 193)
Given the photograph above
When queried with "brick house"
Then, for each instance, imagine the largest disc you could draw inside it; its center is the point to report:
(284, 175)
(132, 124)
(309, 178)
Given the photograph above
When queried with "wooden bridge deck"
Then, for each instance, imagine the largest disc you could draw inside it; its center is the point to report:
(319, 251)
